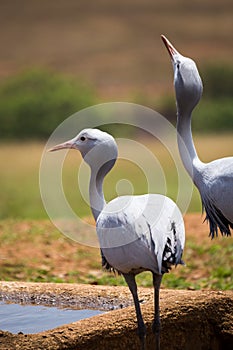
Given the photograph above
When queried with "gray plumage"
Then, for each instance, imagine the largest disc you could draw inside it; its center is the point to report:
(214, 180)
(136, 233)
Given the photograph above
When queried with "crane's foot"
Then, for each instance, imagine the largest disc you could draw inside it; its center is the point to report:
(142, 336)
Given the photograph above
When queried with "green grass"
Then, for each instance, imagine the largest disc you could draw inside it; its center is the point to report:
(35, 251)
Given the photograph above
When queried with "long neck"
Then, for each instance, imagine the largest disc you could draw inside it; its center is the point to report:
(186, 146)
(97, 200)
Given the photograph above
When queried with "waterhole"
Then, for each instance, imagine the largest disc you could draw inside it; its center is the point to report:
(30, 319)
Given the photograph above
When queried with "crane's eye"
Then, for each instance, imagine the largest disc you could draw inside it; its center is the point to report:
(178, 65)
(82, 138)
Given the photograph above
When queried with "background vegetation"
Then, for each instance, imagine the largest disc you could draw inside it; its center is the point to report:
(35, 102)
(109, 51)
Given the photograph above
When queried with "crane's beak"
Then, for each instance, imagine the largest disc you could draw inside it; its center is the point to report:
(170, 48)
(68, 144)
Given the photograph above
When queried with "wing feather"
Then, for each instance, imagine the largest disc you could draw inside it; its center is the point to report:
(133, 232)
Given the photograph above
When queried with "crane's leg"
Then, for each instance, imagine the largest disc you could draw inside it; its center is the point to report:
(156, 323)
(130, 280)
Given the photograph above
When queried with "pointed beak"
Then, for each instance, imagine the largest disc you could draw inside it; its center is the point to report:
(65, 145)
(170, 48)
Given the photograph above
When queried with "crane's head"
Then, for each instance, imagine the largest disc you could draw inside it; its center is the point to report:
(98, 148)
(187, 81)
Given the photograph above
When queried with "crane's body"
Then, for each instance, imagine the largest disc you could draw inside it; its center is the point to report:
(141, 233)
(214, 180)
(136, 233)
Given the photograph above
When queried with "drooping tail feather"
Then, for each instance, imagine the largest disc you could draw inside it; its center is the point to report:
(215, 218)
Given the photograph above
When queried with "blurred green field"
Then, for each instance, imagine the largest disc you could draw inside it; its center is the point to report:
(19, 176)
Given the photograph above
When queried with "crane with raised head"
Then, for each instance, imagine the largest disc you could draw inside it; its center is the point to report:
(136, 233)
(214, 180)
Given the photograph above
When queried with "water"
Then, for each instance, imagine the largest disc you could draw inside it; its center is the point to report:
(30, 319)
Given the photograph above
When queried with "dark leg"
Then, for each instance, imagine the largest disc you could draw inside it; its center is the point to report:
(156, 323)
(130, 280)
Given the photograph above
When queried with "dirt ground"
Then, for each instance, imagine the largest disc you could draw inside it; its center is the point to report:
(190, 319)
(35, 251)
